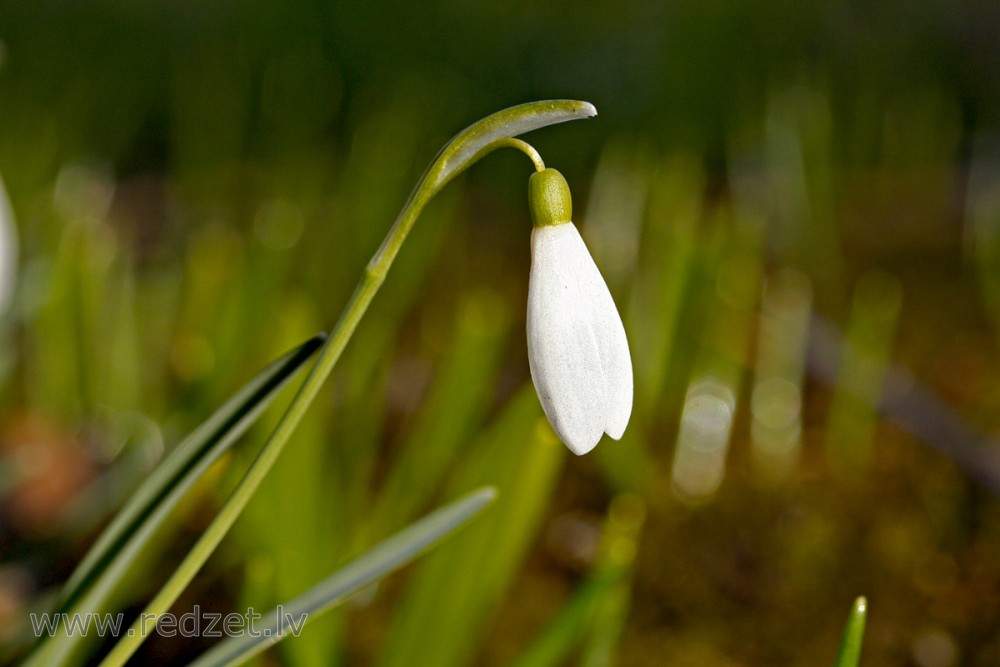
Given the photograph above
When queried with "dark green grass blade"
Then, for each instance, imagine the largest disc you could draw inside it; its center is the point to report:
(137, 522)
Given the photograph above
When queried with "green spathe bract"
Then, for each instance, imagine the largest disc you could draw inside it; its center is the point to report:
(462, 151)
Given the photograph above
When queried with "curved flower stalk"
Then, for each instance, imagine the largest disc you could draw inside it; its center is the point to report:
(577, 349)
(461, 152)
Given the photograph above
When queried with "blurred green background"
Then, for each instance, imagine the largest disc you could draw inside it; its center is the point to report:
(797, 209)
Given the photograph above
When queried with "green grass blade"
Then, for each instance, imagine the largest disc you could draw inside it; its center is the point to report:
(622, 532)
(290, 541)
(455, 592)
(456, 404)
(94, 580)
(374, 564)
(202, 447)
(854, 633)
(565, 632)
(865, 356)
(595, 615)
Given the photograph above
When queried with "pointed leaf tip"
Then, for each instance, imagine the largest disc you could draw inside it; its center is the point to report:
(479, 138)
(854, 632)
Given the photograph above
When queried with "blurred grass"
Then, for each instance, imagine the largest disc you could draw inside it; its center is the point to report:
(181, 175)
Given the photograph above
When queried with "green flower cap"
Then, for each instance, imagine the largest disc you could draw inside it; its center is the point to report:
(549, 198)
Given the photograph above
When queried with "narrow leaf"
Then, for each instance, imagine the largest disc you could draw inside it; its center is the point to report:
(455, 592)
(102, 569)
(566, 631)
(383, 559)
(455, 406)
(620, 546)
(854, 632)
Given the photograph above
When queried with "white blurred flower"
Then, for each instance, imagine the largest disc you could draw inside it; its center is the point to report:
(8, 250)
(577, 349)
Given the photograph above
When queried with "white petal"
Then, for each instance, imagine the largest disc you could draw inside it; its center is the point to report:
(613, 346)
(563, 349)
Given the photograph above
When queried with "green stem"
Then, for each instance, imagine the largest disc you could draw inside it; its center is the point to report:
(464, 150)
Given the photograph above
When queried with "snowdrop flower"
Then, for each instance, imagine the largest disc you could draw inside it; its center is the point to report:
(577, 349)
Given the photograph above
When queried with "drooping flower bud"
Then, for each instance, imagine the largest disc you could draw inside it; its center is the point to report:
(577, 348)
